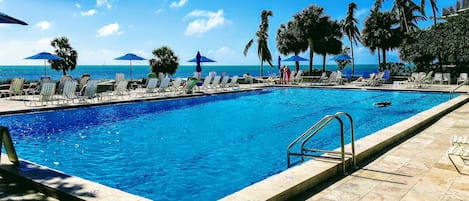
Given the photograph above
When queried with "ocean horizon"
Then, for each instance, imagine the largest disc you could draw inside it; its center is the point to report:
(34, 73)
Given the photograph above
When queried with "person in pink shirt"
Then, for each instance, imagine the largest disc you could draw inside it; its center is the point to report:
(287, 74)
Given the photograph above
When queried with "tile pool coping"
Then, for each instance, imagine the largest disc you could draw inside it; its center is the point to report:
(282, 186)
(299, 179)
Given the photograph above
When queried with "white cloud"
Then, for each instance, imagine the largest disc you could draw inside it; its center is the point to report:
(78, 5)
(109, 29)
(160, 10)
(176, 4)
(105, 3)
(88, 13)
(43, 25)
(204, 21)
(13, 52)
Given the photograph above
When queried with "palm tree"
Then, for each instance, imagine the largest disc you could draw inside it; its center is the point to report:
(331, 44)
(64, 49)
(313, 24)
(288, 41)
(378, 5)
(262, 41)
(351, 30)
(165, 61)
(405, 10)
(434, 8)
(379, 32)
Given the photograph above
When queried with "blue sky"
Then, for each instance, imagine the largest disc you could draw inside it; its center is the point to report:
(101, 30)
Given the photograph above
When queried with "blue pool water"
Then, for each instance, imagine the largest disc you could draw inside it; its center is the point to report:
(198, 148)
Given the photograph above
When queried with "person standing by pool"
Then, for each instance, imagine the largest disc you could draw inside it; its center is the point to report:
(287, 74)
(282, 70)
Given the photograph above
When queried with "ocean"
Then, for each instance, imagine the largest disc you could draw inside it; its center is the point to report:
(33, 73)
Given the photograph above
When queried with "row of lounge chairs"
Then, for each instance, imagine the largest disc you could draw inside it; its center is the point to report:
(86, 90)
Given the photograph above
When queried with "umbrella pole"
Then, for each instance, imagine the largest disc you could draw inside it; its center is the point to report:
(45, 71)
(130, 70)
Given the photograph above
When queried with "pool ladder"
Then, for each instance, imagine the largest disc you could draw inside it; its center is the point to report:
(328, 154)
(5, 139)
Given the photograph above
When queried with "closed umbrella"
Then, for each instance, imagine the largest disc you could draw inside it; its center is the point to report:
(130, 57)
(45, 56)
(4, 18)
(199, 59)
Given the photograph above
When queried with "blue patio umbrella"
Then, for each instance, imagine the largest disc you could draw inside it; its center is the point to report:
(4, 18)
(341, 57)
(295, 58)
(130, 57)
(45, 56)
(199, 59)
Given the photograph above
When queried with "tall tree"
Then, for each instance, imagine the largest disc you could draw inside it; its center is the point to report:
(379, 32)
(313, 23)
(262, 41)
(288, 41)
(64, 49)
(165, 61)
(407, 13)
(351, 30)
(434, 8)
(378, 5)
(331, 44)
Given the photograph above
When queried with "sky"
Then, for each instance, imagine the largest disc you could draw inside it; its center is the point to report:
(101, 30)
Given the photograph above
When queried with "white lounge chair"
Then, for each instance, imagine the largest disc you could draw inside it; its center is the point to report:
(216, 82)
(206, 84)
(224, 82)
(233, 83)
(176, 85)
(16, 88)
(437, 78)
(45, 96)
(447, 78)
(90, 92)
(461, 152)
(121, 89)
(68, 91)
(298, 78)
(164, 85)
(462, 78)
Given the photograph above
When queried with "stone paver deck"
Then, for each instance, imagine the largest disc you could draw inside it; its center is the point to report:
(11, 190)
(417, 169)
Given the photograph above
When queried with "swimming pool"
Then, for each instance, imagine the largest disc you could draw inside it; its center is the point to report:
(197, 148)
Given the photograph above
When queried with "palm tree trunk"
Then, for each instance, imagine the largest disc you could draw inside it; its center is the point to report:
(379, 57)
(353, 58)
(311, 55)
(324, 63)
(64, 71)
(297, 64)
(262, 70)
(384, 58)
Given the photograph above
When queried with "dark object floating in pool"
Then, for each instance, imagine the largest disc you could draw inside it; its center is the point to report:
(382, 104)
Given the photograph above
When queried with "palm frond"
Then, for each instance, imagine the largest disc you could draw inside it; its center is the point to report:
(246, 48)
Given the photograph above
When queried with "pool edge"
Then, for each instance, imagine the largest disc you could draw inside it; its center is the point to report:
(60, 185)
(296, 180)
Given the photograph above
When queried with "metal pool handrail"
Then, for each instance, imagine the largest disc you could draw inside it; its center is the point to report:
(451, 92)
(5, 139)
(316, 128)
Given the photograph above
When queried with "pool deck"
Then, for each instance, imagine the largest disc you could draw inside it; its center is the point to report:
(402, 173)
